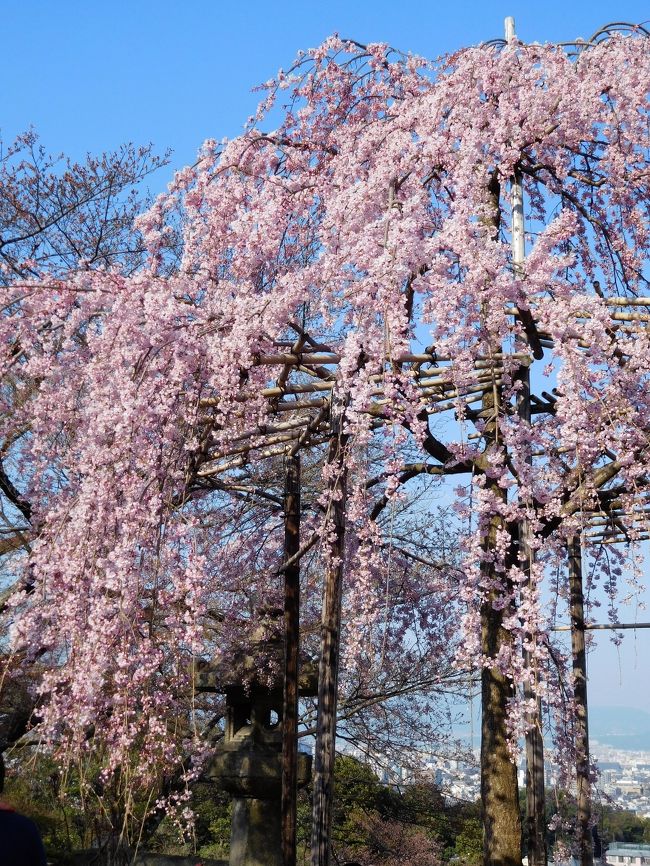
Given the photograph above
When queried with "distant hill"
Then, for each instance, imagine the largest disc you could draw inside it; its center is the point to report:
(620, 727)
(624, 728)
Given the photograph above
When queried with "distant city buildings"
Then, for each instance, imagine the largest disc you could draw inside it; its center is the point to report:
(624, 783)
(625, 780)
(624, 777)
(628, 855)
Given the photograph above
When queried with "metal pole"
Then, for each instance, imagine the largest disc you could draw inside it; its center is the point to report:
(535, 783)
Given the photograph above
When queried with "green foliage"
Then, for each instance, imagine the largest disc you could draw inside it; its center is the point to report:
(622, 826)
(358, 793)
(213, 811)
(468, 846)
(71, 819)
(372, 822)
(613, 823)
(377, 823)
(34, 787)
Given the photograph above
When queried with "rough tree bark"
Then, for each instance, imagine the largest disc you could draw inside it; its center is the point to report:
(499, 791)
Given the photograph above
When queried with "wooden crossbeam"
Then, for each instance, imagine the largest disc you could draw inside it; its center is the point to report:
(431, 373)
(615, 626)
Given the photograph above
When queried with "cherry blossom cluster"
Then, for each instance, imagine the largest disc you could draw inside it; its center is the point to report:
(377, 218)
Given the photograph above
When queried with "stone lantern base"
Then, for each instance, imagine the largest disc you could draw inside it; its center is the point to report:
(255, 833)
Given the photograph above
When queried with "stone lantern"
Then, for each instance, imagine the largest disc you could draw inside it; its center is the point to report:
(247, 763)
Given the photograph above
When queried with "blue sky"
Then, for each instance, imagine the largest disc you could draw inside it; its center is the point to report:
(91, 75)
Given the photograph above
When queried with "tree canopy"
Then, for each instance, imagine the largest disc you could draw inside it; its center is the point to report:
(353, 266)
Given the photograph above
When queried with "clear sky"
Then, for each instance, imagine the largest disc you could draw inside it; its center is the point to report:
(89, 75)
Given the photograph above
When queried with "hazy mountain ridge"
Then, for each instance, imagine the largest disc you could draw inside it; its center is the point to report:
(624, 728)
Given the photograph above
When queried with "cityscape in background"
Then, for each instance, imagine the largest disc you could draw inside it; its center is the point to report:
(624, 780)
(619, 744)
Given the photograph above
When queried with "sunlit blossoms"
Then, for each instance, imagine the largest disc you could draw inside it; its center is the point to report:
(376, 220)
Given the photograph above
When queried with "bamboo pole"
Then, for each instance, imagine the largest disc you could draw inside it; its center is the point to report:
(292, 644)
(270, 429)
(431, 382)
(297, 405)
(311, 358)
(619, 540)
(614, 626)
(628, 302)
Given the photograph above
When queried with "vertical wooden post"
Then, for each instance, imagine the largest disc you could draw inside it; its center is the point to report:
(586, 857)
(292, 645)
(499, 793)
(325, 752)
(535, 783)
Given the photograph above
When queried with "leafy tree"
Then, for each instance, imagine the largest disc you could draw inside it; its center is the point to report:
(468, 845)
(619, 825)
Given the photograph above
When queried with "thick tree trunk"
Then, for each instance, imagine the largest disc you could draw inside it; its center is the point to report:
(292, 645)
(499, 791)
(329, 661)
(585, 855)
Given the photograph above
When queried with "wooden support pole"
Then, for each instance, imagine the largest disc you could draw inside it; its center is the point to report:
(325, 752)
(535, 782)
(499, 792)
(292, 645)
(579, 655)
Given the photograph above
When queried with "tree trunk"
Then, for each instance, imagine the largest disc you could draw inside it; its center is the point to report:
(535, 787)
(292, 645)
(329, 660)
(499, 792)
